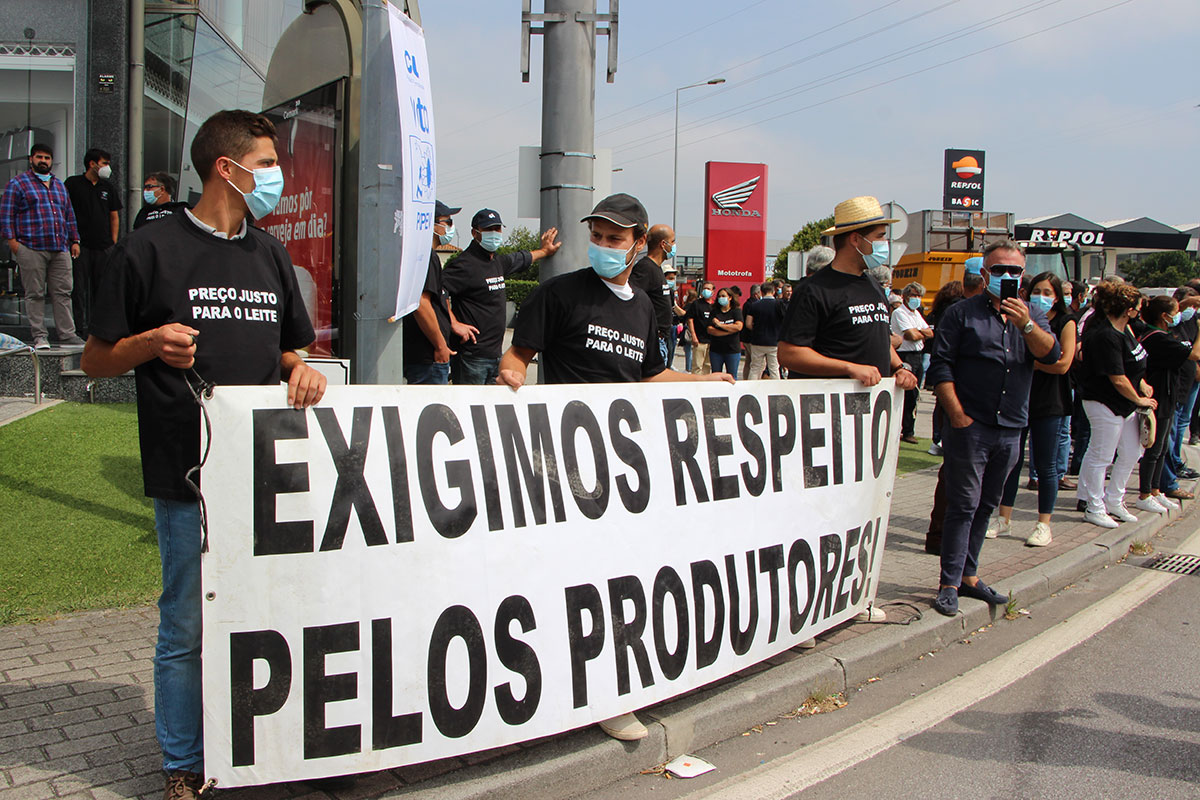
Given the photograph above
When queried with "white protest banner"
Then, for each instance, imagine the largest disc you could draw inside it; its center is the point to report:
(402, 574)
(417, 156)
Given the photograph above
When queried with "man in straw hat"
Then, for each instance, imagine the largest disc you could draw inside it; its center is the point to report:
(838, 323)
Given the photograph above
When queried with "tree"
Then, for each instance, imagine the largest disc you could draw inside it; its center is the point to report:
(1173, 268)
(521, 238)
(805, 238)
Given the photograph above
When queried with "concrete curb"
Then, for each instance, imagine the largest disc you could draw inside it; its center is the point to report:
(587, 759)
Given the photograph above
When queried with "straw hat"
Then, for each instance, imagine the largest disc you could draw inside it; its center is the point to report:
(855, 213)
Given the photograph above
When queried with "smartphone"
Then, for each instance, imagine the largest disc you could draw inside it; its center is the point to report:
(1008, 289)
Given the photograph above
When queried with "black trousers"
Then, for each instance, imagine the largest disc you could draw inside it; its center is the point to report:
(86, 272)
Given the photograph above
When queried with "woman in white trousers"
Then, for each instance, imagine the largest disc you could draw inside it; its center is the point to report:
(1113, 387)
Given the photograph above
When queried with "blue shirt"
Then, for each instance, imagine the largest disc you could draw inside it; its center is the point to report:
(986, 359)
(38, 215)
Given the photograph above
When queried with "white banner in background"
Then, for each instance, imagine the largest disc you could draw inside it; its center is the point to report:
(403, 574)
(417, 157)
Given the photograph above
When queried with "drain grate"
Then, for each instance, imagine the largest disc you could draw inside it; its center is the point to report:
(1178, 563)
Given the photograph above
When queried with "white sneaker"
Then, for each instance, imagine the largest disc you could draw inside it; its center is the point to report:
(1165, 502)
(626, 727)
(41, 343)
(997, 526)
(935, 449)
(872, 614)
(1148, 504)
(1120, 513)
(1040, 536)
(1100, 518)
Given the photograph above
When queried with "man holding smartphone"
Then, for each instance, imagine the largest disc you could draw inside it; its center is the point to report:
(981, 371)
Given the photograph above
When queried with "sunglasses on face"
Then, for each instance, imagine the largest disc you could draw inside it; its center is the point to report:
(1006, 269)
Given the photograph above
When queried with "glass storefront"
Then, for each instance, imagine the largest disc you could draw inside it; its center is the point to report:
(37, 105)
(200, 63)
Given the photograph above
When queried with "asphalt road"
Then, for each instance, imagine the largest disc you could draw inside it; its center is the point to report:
(1117, 716)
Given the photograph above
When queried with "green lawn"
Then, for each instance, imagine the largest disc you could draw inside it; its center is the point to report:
(75, 530)
(915, 456)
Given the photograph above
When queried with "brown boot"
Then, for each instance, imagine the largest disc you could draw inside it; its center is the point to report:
(184, 786)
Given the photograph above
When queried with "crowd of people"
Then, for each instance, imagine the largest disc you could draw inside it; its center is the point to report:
(1092, 382)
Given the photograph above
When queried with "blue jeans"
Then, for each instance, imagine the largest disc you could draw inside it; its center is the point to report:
(687, 356)
(725, 362)
(1064, 445)
(1174, 461)
(433, 374)
(177, 718)
(473, 370)
(977, 459)
(1044, 444)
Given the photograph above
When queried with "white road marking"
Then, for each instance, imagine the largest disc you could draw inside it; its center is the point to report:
(786, 776)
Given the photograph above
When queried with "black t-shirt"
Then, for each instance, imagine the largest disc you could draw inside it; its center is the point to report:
(841, 316)
(586, 334)
(156, 212)
(1165, 357)
(93, 203)
(699, 312)
(768, 317)
(1107, 351)
(418, 349)
(648, 276)
(1050, 395)
(1186, 332)
(475, 283)
(240, 294)
(726, 342)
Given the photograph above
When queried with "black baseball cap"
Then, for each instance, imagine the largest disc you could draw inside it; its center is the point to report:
(485, 218)
(440, 209)
(620, 209)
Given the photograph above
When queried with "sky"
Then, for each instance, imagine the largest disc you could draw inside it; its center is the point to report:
(1084, 106)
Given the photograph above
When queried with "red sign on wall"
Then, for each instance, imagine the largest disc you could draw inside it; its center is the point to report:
(735, 223)
(306, 130)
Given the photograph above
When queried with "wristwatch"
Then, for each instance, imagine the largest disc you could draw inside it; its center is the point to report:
(1028, 327)
(906, 365)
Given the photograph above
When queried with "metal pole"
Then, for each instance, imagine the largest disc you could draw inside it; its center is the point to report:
(675, 169)
(568, 129)
(377, 344)
(137, 105)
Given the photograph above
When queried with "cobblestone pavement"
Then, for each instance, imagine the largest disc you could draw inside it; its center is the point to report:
(76, 693)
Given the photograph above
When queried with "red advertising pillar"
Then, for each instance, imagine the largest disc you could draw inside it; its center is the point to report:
(735, 224)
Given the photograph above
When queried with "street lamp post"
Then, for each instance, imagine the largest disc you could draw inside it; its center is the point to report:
(675, 169)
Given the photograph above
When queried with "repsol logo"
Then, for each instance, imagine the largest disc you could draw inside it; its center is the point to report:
(734, 212)
(976, 185)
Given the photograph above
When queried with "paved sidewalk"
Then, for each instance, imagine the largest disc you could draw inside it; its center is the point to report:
(76, 693)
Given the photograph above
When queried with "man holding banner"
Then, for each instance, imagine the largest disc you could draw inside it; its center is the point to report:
(838, 321)
(198, 299)
(590, 326)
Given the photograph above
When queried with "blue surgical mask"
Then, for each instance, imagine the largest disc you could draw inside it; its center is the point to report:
(490, 240)
(974, 264)
(723, 302)
(149, 196)
(878, 255)
(448, 236)
(672, 282)
(608, 262)
(1066, 300)
(1175, 319)
(994, 283)
(1041, 301)
(268, 188)
(1188, 313)
(914, 303)
(44, 177)
(670, 253)
(706, 294)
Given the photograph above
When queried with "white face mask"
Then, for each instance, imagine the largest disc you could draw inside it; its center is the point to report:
(105, 172)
